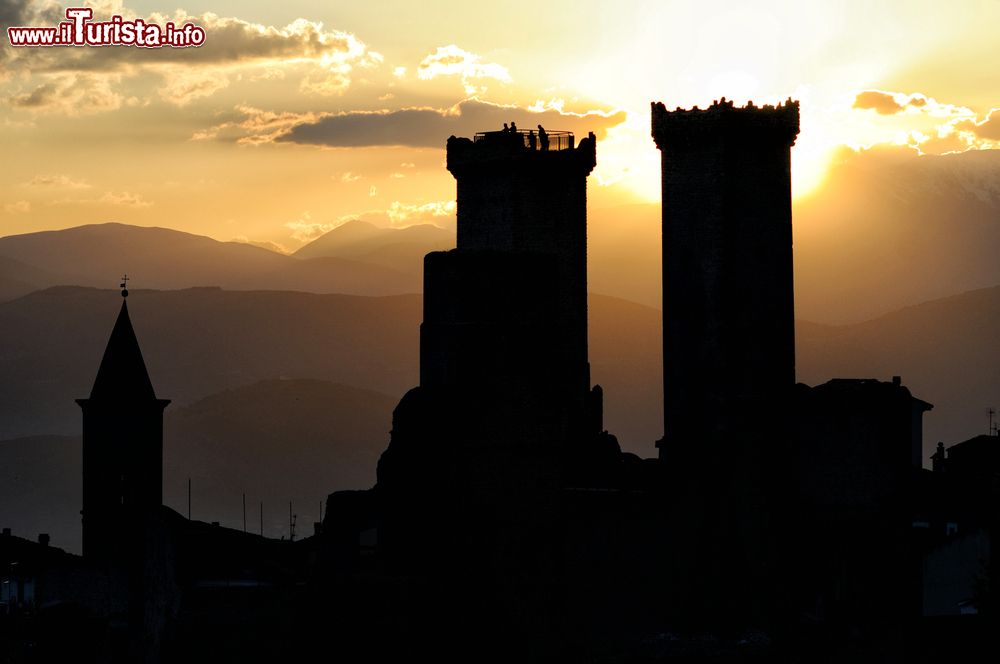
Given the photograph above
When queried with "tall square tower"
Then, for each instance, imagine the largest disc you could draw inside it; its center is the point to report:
(728, 310)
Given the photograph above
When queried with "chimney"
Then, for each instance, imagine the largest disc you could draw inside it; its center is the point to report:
(897, 381)
(938, 459)
(6, 532)
(43, 539)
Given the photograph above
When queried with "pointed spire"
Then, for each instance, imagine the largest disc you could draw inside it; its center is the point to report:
(123, 374)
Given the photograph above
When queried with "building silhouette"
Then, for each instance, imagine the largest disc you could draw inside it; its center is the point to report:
(955, 524)
(504, 396)
(122, 448)
(780, 522)
(728, 303)
(728, 356)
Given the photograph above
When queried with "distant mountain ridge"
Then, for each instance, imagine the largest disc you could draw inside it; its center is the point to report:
(200, 341)
(271, 386)
(95, 255)
(197, 342)
(358, 239)
(401, 249)
(887, 229)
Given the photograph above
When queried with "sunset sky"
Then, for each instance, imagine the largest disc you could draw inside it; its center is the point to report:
(299, 115)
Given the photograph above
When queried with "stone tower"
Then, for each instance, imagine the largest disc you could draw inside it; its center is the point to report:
(504, 392)
(508, 307)
(122, 449)
(728, 310)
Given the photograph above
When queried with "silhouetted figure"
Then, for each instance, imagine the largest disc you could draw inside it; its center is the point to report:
(532, 140)
(506, 129)
(543, 138)
(513, 127)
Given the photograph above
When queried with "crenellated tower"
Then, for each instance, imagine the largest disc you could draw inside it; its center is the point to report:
(504, 399)
(507, 309)
(728, 310)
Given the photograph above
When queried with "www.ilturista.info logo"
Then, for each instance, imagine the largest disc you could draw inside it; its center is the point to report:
(79, 30)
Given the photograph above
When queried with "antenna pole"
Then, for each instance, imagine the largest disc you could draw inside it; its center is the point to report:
(262, 518)
(992, 413)
(244, 512)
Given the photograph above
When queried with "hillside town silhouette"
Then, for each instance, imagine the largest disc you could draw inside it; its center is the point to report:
(775, 522)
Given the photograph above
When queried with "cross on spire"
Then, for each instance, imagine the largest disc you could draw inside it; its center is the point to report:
(124, 285)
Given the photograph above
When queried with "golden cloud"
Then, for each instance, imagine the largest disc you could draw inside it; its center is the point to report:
(988, 129)
(125, 198)
(451, 60)
(19, 207)
(883, 103)
(930, 126)
(304, 229)
(403, 214)
(57, 180)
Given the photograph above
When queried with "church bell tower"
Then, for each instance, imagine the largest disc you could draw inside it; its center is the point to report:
(122, 448)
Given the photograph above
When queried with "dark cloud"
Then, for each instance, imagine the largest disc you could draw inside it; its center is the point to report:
(425, 127)
(27, 13)
(880, 102)
(71, 93)
(43, 95)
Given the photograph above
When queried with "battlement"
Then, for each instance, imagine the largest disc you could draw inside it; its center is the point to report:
(685, 127)
(522, 149)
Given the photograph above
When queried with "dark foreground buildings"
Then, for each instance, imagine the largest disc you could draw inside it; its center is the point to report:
(780, 523)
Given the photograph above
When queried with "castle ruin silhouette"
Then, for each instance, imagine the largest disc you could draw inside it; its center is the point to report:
(506, 524)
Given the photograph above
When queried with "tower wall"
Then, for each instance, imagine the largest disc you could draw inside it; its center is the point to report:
(478, 452)
(122, 474)
(728, 311)
(515, 288)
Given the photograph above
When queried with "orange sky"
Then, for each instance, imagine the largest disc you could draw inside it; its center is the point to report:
(296, 116)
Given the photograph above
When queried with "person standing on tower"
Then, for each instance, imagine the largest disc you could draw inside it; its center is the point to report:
(543, 138)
